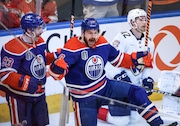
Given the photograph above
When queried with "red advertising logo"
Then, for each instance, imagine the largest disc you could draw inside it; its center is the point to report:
(161, 65)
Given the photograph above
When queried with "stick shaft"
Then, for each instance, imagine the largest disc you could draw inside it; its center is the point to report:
(38, 6)
(71, 35)
(64, 107)
(71, 26)
(72, 19)
(163, 92)
(149, 9)
(157, 91)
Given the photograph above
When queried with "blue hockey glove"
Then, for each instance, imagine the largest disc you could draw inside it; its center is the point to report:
(148, 83)
(29, 84)
(122, 76)
(137, 57)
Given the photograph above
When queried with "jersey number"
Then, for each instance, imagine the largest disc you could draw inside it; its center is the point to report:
(125, 34)
(7, 62)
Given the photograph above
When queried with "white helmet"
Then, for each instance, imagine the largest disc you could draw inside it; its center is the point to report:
(134, 13)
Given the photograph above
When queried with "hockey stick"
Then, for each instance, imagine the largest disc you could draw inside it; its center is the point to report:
(72, 26)
(66, 113)
(112, 101)
(153, 90)
(72, 19)
(149, 9)
(65, 107)
(38, 7)
(161, 92)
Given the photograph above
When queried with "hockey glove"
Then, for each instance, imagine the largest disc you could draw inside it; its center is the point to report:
(137, 58)
(58, 69)
(122, 77)
(148, 60)
(29, 84)
(148, 83)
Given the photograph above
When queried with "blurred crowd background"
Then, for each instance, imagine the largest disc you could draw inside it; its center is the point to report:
(54, 11)
(64, 7)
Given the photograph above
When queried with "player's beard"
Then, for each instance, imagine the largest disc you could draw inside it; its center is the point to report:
(35, 39)
(90, 42)
(37, 35)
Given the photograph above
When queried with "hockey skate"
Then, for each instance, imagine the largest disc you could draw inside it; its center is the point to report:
(172, 124)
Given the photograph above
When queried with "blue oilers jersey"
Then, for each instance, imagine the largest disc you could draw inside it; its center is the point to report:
(28, 60)
(86, 74)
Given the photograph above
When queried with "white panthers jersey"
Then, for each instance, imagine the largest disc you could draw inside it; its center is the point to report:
(128, 43)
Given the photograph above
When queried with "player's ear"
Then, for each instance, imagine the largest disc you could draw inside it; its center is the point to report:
(28, 30)
(133, 23)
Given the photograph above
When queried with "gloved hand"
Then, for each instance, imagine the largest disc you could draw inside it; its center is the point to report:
(29, 84)
(137, 58)
(122, 76)
(148, 60)
(148, 83)
(59, 68)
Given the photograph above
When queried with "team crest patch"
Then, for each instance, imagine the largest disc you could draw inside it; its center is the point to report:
(94, 67)
(137, 70)
(38, 67)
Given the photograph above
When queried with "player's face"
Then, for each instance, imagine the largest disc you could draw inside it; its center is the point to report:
(141, 23)
(38, 31)
(90, 37)
(34, 34)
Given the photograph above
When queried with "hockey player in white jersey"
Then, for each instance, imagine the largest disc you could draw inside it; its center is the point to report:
(128, 42)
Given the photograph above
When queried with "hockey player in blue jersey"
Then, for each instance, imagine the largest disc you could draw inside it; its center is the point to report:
(82, 61)
(23, 74)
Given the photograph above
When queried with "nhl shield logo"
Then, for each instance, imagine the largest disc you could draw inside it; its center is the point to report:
(84, 55)
(28, 55)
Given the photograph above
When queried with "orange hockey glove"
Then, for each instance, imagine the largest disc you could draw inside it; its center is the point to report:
(137, 58)
(27, 84)
(58, 69)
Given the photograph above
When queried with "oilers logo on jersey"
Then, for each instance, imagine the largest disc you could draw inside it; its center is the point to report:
(38, 67)
(94, 67)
